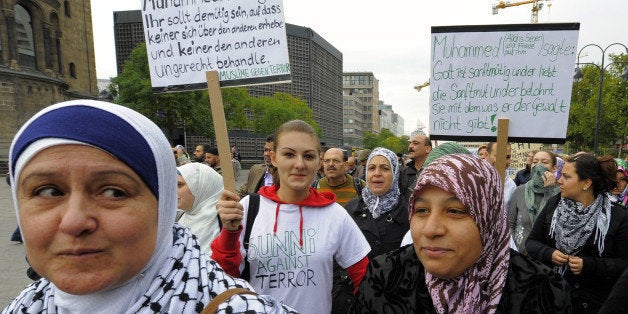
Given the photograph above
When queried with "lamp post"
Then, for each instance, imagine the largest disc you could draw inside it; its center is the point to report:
(578, 75)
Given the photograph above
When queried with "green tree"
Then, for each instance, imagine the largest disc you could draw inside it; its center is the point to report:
(271, 112)
(386, 139)
(584, 103)
(132, 88)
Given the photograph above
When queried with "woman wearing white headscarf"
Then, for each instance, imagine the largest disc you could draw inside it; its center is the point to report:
(199, 187)
(97, 218)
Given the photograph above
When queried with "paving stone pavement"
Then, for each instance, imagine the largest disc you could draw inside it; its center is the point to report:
(13, 264)
(12, 258)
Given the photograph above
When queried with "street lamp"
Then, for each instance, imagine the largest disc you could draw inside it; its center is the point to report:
(578, 75)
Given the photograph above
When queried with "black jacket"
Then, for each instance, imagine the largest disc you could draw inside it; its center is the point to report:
(599, 273)
(395, 283)
(407, 179)
(385, 233)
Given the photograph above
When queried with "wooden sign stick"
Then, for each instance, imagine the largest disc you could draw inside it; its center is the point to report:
(220, 129)
(502, 142)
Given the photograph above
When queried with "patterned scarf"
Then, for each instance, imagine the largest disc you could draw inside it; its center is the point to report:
(476, 184)
(186, 283)
(380, 205)
(573, 224)
(535, 186)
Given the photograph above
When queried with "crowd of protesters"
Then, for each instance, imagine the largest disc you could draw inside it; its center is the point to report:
(311, 230)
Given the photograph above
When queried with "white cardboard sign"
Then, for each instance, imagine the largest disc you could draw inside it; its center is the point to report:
(244, 41)
(520, 72)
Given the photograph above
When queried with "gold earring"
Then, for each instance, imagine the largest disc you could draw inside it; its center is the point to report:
(585, 188)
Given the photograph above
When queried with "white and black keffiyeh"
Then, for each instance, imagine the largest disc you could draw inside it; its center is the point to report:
(573, 224)
(187, 282)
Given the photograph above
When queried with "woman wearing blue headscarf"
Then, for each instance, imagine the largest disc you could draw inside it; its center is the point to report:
(95, 190)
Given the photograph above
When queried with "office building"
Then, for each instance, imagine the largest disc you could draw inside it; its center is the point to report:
(316, 68)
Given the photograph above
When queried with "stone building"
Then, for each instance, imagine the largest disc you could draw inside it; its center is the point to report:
(46, 56)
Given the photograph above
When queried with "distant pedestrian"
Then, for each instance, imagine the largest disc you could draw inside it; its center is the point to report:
(419, 147)
(236, 153)
(200, 151)
(237, 167)
(180, 155)
(260, 174)
(523, 175)
(212, 159)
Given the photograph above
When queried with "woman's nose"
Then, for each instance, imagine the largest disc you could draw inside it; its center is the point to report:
(77, 216)
(300, 162)
(433, 226)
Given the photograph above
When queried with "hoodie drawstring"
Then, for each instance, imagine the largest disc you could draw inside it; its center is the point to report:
(301, 226)
(300, 223)
(276, 218)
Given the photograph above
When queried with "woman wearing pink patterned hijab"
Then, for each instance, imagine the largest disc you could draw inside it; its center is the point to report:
(460, 261)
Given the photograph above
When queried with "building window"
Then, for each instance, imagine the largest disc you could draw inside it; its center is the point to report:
(72, 70)
(25, 43)
(66, 8)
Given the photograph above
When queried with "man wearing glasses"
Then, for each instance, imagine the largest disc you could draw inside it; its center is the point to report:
(336, 179)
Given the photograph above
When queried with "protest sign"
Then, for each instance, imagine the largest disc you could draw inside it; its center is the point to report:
(486, 72)
(244, 41)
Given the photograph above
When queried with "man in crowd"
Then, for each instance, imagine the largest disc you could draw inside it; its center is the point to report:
(523, 175)
(336, 179)
(418, 148)
(402, 162)
(352, 168)
(200, 151)
(261, 174)
(212, 159)
(237, 166)
(362, 158)
(482, 152)
(509, 184)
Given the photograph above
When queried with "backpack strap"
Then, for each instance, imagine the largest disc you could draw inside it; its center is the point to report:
(251, 213)
(212, 307)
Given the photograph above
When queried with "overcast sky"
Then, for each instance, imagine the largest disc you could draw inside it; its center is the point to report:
(392, 40)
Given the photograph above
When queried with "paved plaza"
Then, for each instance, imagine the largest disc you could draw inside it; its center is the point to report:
(12, 258)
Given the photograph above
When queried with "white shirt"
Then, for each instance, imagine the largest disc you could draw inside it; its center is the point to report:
(301, 276)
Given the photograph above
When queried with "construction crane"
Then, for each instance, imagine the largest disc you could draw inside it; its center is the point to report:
(419, 87)
(537, 5)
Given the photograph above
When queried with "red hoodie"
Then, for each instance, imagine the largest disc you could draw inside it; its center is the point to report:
(226, 247)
